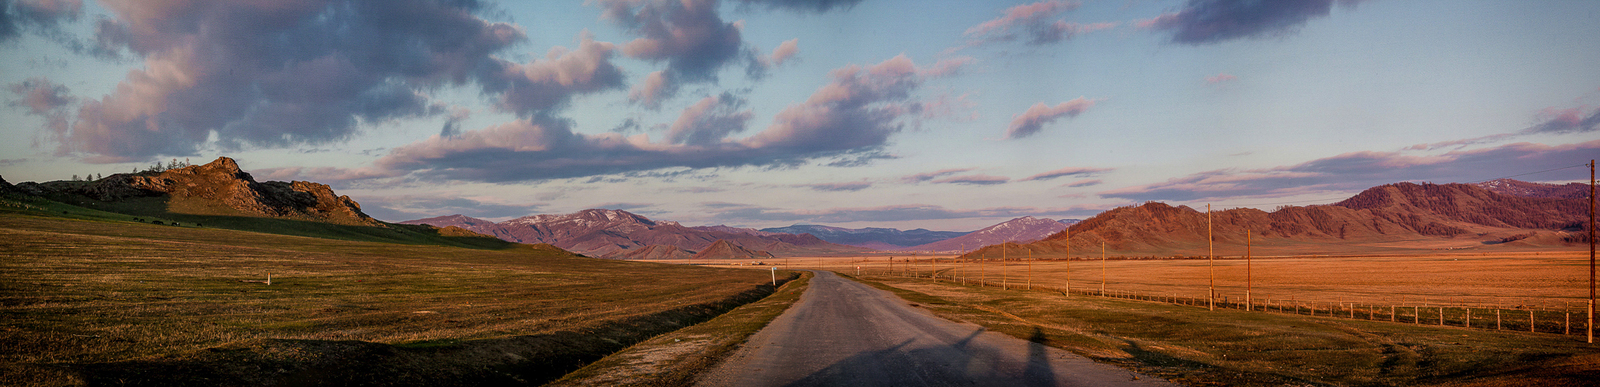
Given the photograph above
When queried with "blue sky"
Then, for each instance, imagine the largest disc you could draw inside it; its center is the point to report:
(949, 115)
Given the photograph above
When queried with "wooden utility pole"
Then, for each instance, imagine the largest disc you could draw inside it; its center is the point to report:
(1102, 267)
(1003, 267)
(1591, 251)
(1030, 269)
(983, 272)
(1211, 262)
(1069, 261)
(1249, 304)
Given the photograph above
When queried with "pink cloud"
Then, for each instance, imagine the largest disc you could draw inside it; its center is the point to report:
(978, 179)
(655, 88)
(926, 176)
(785, 50)
(709, 121)
(1068, 171)
(546, 83)
(1562, 121)
(1034, 119)
(1220, 78)
(1084, 183)
(1033, 23)
(948, 66)
(839, 187)
(1026, 14)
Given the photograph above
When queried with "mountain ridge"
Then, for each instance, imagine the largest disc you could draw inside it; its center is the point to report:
(617, 233)
(1421, 215)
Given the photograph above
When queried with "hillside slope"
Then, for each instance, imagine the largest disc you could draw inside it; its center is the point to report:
(1402, 215)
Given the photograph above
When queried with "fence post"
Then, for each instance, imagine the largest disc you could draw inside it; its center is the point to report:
(1441, 316)
(1497, 319)
(1469, 316)
(1391, 313)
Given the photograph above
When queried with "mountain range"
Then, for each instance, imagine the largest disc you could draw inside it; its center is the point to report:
(877, 238)
(621, 234)
(1390, 217)
(1501, 213)
(624, 235)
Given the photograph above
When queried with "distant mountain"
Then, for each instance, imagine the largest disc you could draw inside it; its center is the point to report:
(722, 249)
(738, 230)
(604, 232)
(1402, 214)
(217, 188)
(651, 252)
(1024, 229)
(1536, 190)
(466, 222)
(871, 237)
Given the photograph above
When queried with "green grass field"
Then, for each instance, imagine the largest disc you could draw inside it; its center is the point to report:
(91, 298)
(1194, 346)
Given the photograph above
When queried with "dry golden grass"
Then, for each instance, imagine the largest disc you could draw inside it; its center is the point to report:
(1549, 281)
(76, 292)
(1194, 346)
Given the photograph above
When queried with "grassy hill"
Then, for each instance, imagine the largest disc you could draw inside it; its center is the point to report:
(91, 296)
(153, 209)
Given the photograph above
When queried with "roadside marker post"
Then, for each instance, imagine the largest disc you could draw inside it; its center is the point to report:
(775, 276)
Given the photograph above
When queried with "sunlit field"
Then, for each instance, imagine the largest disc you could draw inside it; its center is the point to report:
(1541, 280)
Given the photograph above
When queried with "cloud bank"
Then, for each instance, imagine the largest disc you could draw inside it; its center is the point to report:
(1361, 170)
(854, 114)
(275, 74)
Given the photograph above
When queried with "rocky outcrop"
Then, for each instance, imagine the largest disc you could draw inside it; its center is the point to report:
(206, 189)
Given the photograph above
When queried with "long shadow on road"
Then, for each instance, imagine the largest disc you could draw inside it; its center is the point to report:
(842, 332)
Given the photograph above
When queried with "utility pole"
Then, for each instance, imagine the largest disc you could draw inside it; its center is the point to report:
(1003, 273)
(983, 272)
(1211, 262)
(1102, 267)
(1069, 261)
(1030, 268)
(1591, 251)
(1248, 303)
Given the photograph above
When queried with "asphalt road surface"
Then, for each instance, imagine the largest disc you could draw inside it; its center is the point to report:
(844, 333)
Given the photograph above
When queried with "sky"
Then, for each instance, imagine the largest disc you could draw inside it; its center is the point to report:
(939, 114)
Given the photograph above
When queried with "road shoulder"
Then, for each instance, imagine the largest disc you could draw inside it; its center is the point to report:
(676, 358)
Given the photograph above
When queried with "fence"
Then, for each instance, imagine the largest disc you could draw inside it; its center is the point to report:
(1523, 318)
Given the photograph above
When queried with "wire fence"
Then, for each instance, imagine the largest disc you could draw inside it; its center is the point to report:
(1524, 318)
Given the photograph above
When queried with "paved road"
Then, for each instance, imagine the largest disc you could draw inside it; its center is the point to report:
(844, 333)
